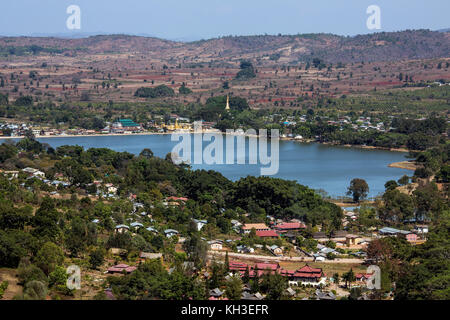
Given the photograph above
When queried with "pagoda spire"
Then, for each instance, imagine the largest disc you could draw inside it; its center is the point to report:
(227, 107)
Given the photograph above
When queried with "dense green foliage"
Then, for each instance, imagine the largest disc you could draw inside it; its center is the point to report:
(156, 92)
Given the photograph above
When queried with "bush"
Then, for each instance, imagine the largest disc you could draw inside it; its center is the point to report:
(3, 287)
(159, 91)
(35, 290)
(31, 272)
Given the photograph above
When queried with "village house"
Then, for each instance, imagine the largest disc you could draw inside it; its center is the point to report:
(408, 235)
(10, 174)
(320, 236)
(110, 188)
(308, 276)
(151, 229)
(125, 125)
(136, 225)
(263, 268)
(199, 224)
(238, 267)
(244, 249)
(34, 172)
(216, 293)
(289, 226)
(362, 277)
(121, 228)
(150, 256)
(170, 233)
(267, 234)
(276, 250)
(257, 226)
(352, 240)
(321, 295)
(250, 296)
(339, 236)
(236, 225)
(421, 229)
(215, 245)
(121, 268)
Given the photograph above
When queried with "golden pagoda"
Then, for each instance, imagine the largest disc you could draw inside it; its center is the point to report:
(228, 103)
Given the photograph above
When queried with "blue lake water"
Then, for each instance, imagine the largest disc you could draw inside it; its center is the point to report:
(330, 168)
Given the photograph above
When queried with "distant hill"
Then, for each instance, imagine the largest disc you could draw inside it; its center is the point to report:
(384, 46)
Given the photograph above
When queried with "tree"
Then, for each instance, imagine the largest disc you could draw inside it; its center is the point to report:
(358, 189)
(227, 263)
(336, 278)
(390, 185)
(96, 258)
(233, 288)
(403, 180)
(184, 90)
(24, 101)
(247, 71)
(196, 249)
(48, 257)
(378, 250)
(45, 220)
(58, 277)
(348, 277)
(146, 153)
(397, 206)
(246, 277)
(274, 285)
(217, 275)
(76, 236)
(355, 293)
(159, 91)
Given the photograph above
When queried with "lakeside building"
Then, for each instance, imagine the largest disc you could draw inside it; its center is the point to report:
(125, 125)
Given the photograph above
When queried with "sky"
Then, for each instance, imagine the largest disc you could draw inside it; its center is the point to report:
(203, 19)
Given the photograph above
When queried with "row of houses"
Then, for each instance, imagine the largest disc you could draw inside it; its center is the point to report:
(303, 276)
(263, 231)
(408, 235)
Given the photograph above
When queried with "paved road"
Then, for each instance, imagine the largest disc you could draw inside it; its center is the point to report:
(273, 258)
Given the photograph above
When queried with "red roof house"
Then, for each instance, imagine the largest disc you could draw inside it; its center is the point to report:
(290, 226)
(309, 274)
(266, 234)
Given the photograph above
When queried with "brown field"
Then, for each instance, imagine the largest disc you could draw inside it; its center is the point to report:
(127, 63)
(13, 289)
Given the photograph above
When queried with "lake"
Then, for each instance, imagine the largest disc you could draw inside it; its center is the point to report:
(330, 168)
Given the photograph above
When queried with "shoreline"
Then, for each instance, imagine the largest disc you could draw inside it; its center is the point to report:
(407, 165)
(209, 131)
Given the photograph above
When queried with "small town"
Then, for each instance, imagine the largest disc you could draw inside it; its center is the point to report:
(218, 159)
(312, 261)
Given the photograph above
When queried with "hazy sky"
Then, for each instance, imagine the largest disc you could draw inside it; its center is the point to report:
(197, 19)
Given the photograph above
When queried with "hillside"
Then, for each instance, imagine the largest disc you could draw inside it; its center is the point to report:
(385, 46)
